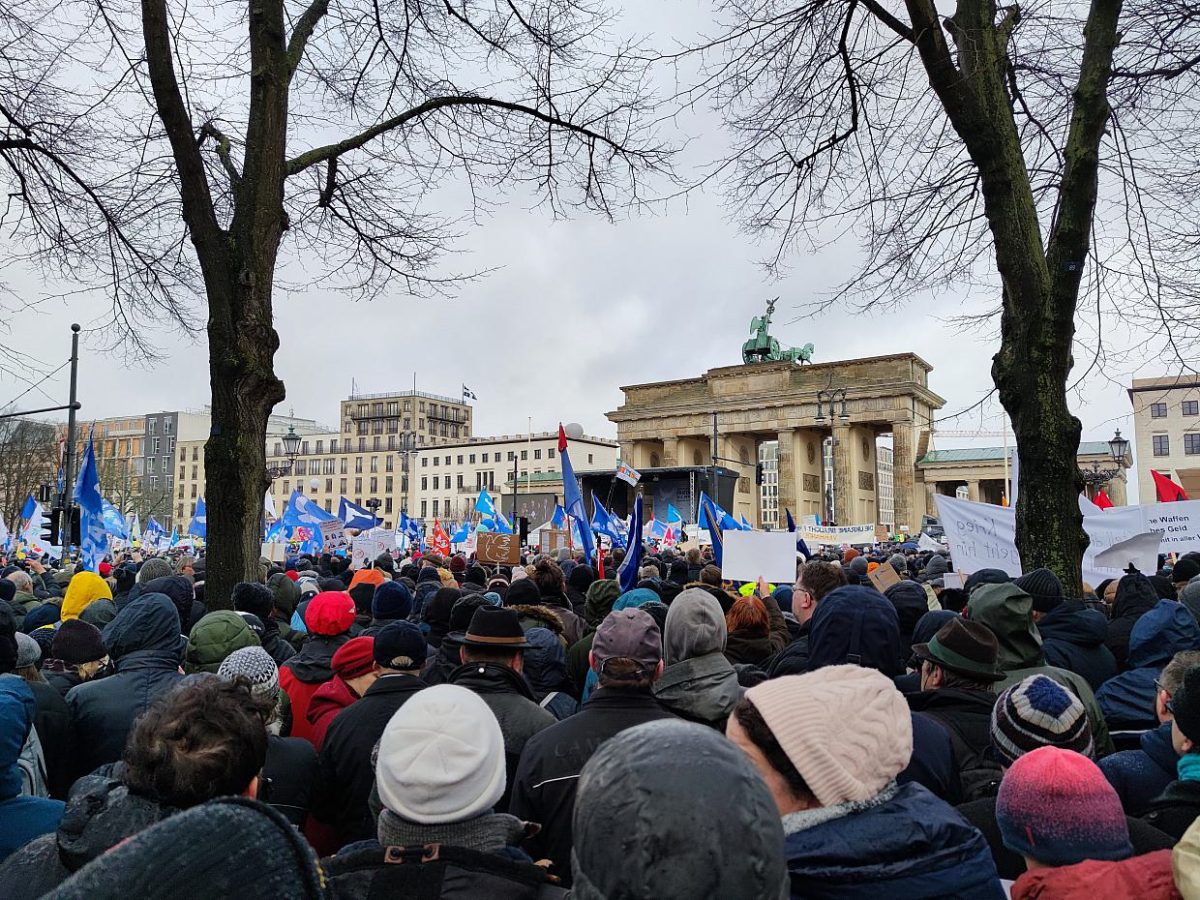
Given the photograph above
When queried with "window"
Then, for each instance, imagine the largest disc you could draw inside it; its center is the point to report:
(436, 482)
(195, 472)
(511, 456)
(154, 445)
(387, 508)
(391, 442)
(435, 508)
(301, 467)
(358, 465)
(393, 425)
(320, 446)
(193, 492)
(387, 485)
(149, 464)
(424, 461)
(591, 457)
(485, 458)
(151, 425)
(1161, 444)
(278, 449)
(1191, 407)
(304, 448)
(342, 466)
(524, 455)
(363, 427)
(341, 485)
(460, 462)
(375, 485)
(329, 485)
(333, 445)
(1191, 444)
(460, 478)
(358, 485)
(374, 463)
(550, 453)
(1158, 410)
(471, 459)
(328, 466)
(153, 482)
(436, 460)
(195, 453)
(393, 407)
(171, 445)
(388, 463)
(166, 426)
(362, 444)
(424, 483)
(537, 453)
(424, 509)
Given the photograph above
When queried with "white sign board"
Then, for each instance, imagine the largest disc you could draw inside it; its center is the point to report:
(366, 547)
(925, 542)
(1140, 551)
(836, 535)
(980, 535)
(273, 551)
(333, 535)
(749, 555)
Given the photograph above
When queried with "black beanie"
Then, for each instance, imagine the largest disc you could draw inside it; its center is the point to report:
(1043, 586)
(1185, 570)
(1186, 705)
(8, 590)
(8, 640)
(78, 642)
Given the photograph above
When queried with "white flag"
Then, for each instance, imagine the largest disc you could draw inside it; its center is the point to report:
(269, 505)
(629, 474)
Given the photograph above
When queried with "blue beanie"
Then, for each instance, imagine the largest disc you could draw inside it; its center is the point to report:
(46, 614)
(635, 598)
(392, 600)
(783, 596)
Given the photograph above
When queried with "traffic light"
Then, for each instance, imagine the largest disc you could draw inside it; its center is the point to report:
(523, 528)
(758, 474)
(55, 527)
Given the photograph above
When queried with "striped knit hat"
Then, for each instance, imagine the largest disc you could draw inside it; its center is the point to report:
(1039, 712)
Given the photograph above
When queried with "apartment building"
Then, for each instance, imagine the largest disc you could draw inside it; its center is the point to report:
(1166, 428)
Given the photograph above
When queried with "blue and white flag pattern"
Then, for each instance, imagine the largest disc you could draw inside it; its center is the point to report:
(92, 534)
(356, 516)
(199, 524)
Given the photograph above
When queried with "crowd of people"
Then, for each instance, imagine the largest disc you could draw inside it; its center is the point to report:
(432, 726)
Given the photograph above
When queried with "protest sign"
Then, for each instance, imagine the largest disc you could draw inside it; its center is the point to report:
(1139, 551)
(980, 535)
(836, 535)
(333, 535)
(925, 542)
(274, 551)
(365, 548)
(1178, 523)
(502, 549)
(953, 580)
(554, 539)
(750, 555)
(883, 577)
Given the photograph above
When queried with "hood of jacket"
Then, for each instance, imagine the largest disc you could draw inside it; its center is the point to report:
(314, 663)
(695, 627)
(102, 812)
(1156, 744)
(601, 595)
(1074, 623)
(333, 696)
(704, 688)
(1008, 612)
(1148, 876)
(149, 626)
(539, 617)
(17, 709)
(489, 678)
(1162, 632)
(286, 592)
(84, 588)
(178, 588)
(217, 635)
(911, 604)
(856, 625)
(545, 662)
(1135, 595)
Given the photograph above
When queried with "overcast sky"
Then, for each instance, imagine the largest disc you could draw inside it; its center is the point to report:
(576, 309)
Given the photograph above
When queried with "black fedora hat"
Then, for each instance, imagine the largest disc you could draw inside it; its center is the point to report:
(495, 627)
(964, 647)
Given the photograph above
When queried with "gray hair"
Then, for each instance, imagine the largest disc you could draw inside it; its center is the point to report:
(21, 579)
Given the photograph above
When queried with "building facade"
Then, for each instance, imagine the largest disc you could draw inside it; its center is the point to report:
(1166, 426)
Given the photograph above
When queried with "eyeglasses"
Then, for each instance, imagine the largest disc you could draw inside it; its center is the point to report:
(1170, 704)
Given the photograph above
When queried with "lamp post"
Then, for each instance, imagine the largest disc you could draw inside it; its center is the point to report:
(373, 505)
(832, 397)
(1118, 451)
(291, 449)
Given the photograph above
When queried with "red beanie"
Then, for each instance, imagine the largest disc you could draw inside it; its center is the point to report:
(354, 658)
(105, 569)
(292, 574)
(331, 612)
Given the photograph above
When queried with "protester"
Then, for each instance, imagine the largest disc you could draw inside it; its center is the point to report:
(626, 656)
(829, 745)
(814, 581)
(1057, 811)
(22, 817)
(77, 654)
(546, 672)
(347, 771)
(327, 619)
(1073, 636)
(256, 600)
(214, 637)
(354, 671)
(653, 820)
(391, 602)
(440, 774)
(1174, 810)
(1134, 597)
(601, 595)
(698, 684)
(749, 640)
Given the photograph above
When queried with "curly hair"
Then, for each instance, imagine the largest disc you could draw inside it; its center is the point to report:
(549, 578)
(206, 739)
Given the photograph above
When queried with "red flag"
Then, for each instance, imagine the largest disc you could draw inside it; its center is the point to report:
(440, 541)
(562, 438)
(1103, 501)
(1168, 491)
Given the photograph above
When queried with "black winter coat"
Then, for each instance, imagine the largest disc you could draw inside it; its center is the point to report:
(52, 721)
(1175, 809)
(967, 718)
(1073, 638)
(543, 789)
(346, 772)
(293, 771)
(146, 648)
(1135, 597)
(792, 659)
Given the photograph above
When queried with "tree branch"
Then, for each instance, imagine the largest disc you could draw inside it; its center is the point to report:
(889, 20)
(208, 129)
(303, 31)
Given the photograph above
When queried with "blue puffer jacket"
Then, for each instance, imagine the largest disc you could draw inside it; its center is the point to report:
(22, 818)
(1138, 776)
(908, 847)
(1127, 700)
(1073, 639)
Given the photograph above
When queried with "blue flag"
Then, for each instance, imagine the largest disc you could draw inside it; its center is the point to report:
(174, 535)
(604, 523)
(559, 519)
(199, 524)
(712, 517)
(657, 530)
(485, 506)
(627, 575)
(92, 536)
(673, 516)
(274, 532)
(461, 534)
(114, 522)
(800, 545)
(355, 516)
(28, 508)
(573, 499)
(301, 512)
(745, 524)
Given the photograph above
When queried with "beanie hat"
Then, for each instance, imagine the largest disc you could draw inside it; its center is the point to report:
(402, 639)
(441, 757)
(392, 600)
(1185, 570)
(1190, 597)
(858, 566)
(77, 642)
(898, 562)
(458, 565)
(354, 658)
(846, 729)
(1043, 586)
(154, 567)
(1185, 704)
(29, 651)
(330, 612)
(256, 666)
(1039, 712)
(1057, 807)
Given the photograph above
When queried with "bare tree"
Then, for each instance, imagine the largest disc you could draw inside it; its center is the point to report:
(27, 460)
(242, 138)
(1024, 152)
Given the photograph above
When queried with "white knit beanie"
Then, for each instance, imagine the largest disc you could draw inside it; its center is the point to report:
(846, 729)
(441, 757)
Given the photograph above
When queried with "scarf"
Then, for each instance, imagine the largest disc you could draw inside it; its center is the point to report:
(488, 833)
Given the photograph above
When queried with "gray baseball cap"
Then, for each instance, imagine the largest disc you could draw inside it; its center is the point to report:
(628, 634)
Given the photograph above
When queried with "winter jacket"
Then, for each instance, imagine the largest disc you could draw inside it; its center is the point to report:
(967, 718)
(856, 625)
(52, 720)
(508, 696)
(301, 675)
(327, 701)
(545, 617)
(1007, 611)
(1135, 597)
(911, 604)
(904, 844)
(792, 659)
(216, 636)
(1138, 776)
(367, 871)
(59, 676)
(442, 661)
(932, 763)
(146, 648)
(347, 773)
(543, 789)
(740, 647)
(1128, 699)
(100, 813)
(1175, 809)
(1010, 864)
(1185, 862)
(574, 626)
(601, 595)
(1073, 639)
(182, 593)
(545, 670)
(699, 684)
(1147, 877)
(22, 818)
(292, 772)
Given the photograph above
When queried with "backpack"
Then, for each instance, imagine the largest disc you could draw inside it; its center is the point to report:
(978, 773)
(32, 766)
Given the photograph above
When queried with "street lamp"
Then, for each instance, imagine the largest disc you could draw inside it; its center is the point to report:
(832, 397)
(1118, 450)
(291, 449)
(373, 505)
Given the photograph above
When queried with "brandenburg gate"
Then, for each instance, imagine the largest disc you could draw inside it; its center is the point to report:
(780, 398)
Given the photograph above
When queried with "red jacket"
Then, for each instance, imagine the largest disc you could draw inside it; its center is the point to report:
(1146, 877)
(300, 694)
(329, 700)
